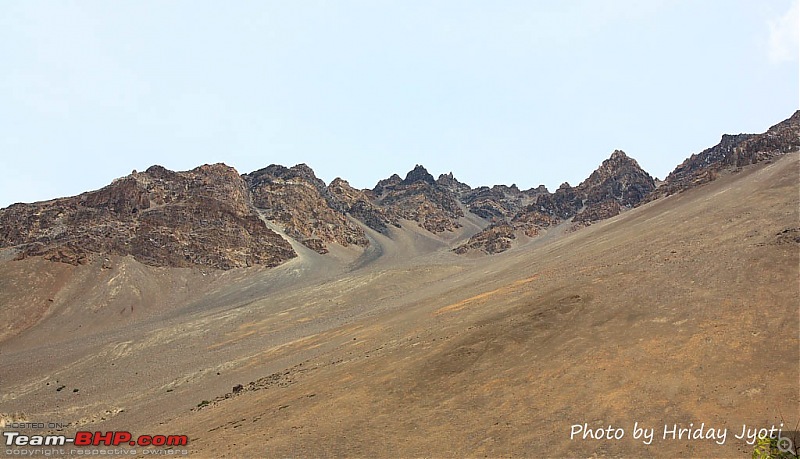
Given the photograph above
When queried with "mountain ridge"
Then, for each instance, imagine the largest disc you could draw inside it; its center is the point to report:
(662, 314)
(165, 218)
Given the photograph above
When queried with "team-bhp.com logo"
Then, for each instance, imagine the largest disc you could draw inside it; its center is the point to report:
(83, 438)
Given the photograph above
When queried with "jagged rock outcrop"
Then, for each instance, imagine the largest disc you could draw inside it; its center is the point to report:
(419, 198)
(211, 216)
(618, 182)
(392, 181)
(561, 205)
(732, 152)
(494, 239)
(301, 203)
(418, 174)
(359, 205)
(200, 217)
(451, 184)
(500, 202)
(619, 178)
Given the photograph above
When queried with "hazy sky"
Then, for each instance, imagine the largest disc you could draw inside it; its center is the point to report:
(524, 92)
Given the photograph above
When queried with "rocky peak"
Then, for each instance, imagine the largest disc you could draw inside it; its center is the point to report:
(452, 184)
(300, 172)
(620, 178)
(418, 174)
(513, 189)
(541, 189)
(419, 198)
(614, 165)
(157, 172)
(389, 182)
(619, 181)
(306, 209)
(303, 170)
(200, 217)
(339, 182)
(561, 205)
(618, 155)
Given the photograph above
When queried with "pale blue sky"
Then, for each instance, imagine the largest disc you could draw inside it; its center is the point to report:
(524, 92)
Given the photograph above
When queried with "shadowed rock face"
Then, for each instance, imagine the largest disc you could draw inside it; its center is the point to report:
(300, 202)
(500, 202)
(162, 218)
(419, 198)
(389, 182)
(450, 183)
(418, 174)
(619, 179)
(733, 151)
(359, 205)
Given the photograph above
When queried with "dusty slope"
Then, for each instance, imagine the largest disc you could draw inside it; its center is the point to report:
(149, 330)
(670, 313)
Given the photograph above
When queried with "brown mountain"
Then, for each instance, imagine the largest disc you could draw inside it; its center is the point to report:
(500, 202)
(618, 183)
(201, 217)
(732, 153)
(301, 203)
(681, 312)
(450, 183)
(420, 199)
(212, 217)
(360, 205)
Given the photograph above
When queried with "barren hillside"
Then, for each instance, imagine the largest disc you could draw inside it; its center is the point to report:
(378, 339)
(673, 312)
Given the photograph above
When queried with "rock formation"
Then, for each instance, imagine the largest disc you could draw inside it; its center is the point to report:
(359, 205)
(731, 153)
(618, 182)
(213, 217)
(494, 239)
(419, 198)
(201, 217)
(500, 202)
(451, 184)
(301, 203)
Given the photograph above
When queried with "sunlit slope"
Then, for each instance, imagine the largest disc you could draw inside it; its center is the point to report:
(683, 311)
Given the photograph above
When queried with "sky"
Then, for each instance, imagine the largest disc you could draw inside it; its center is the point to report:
(525, 92)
